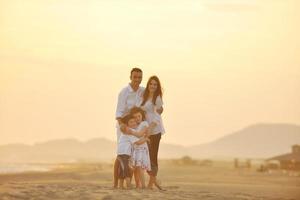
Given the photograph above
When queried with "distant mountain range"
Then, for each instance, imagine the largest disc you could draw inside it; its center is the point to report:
(255, 141)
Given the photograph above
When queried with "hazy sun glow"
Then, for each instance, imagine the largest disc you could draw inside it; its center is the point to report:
(224, 65)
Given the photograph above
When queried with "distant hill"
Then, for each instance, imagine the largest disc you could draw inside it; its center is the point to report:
(65, 150)
(256, 141)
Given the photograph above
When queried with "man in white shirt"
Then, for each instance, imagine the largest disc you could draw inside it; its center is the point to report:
(129, 97)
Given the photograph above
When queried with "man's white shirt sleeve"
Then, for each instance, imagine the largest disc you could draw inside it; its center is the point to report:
(121, 106)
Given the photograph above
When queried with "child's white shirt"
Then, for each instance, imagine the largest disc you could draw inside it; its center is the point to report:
(125, 144)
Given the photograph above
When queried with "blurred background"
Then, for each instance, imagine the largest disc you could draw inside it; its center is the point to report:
(226, 66)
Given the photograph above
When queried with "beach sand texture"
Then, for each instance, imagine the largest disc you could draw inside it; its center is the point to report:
(94, 181)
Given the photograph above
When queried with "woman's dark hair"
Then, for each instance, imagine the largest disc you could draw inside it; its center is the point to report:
(126, 118)
(157, 93)
(135, 110)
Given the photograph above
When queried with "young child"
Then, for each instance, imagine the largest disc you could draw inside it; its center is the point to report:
(124, 151)
(140, 155)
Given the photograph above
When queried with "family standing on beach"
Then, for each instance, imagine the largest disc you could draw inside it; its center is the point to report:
(139, 130)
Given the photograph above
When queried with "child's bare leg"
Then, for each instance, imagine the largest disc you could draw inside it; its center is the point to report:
(141, 176)
(128, 183)
(136, 177)
(131, 173)
(121, 183)
(116, 178)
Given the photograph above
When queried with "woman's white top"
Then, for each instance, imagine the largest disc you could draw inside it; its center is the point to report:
(153, 116)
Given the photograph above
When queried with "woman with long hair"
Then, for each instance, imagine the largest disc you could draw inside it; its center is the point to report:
(152, 103)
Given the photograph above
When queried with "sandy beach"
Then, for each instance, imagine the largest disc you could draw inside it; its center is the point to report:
(93, 181)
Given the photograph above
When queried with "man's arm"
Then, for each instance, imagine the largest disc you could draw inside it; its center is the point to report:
(160, 110)
(122, 126)
(121, 110)
(119, 119)
(121, 105)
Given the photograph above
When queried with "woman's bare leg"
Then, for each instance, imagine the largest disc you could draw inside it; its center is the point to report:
(156, 184)
(153, 152)
(150, 184)
(153, 181)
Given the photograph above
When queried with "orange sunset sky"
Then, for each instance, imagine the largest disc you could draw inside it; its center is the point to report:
(224, 65)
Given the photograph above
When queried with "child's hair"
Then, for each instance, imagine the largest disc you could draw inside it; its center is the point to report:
(135, 110)
(127, 117)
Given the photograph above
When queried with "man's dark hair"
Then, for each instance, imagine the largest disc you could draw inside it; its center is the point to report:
(136, 70)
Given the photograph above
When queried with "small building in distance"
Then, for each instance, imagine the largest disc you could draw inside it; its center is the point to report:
(289, 161)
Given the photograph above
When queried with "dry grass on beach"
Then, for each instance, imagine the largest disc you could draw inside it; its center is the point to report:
(93, 181)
